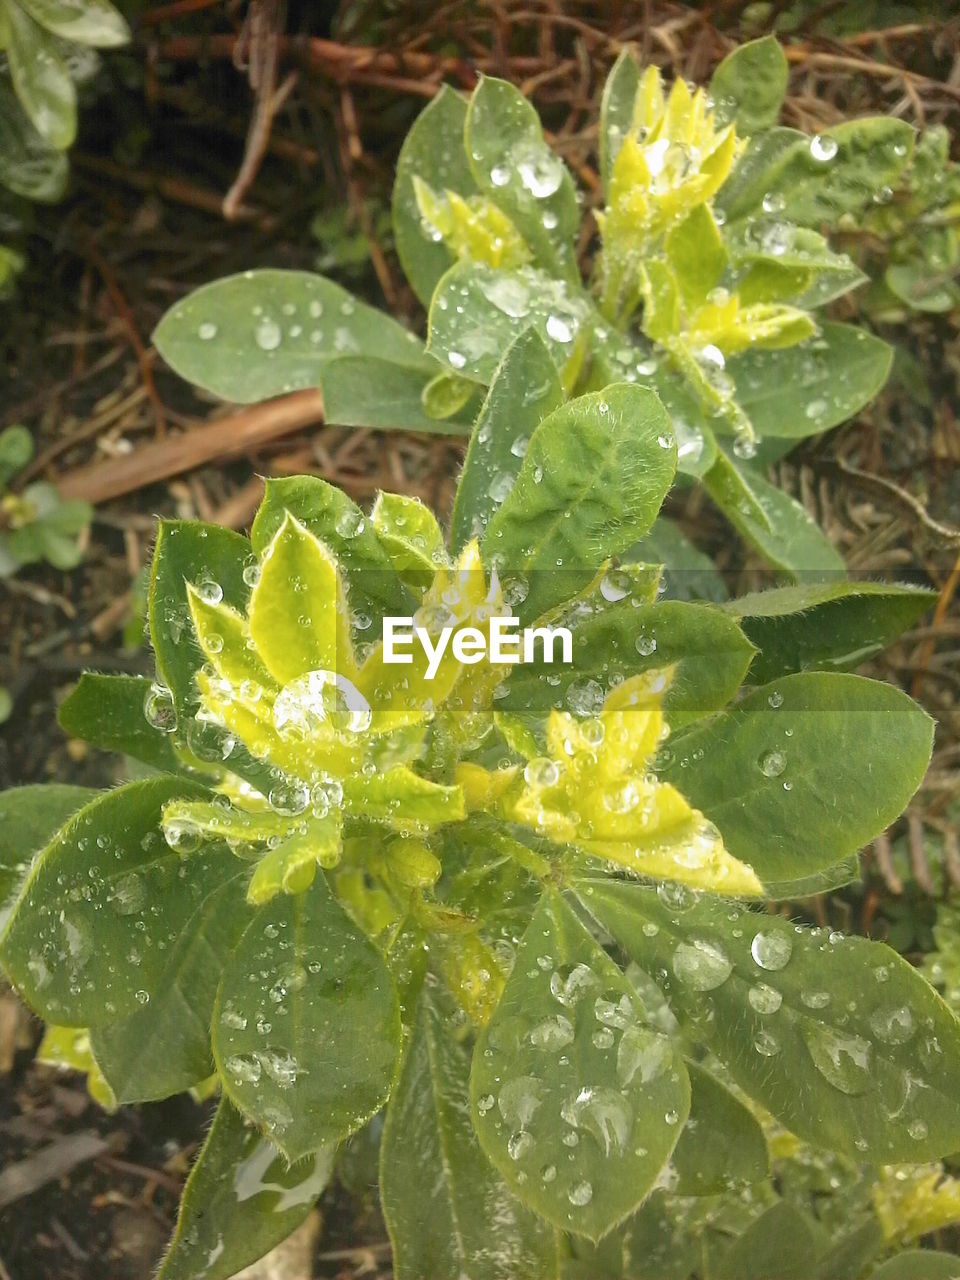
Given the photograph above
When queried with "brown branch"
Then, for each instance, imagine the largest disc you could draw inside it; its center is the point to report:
(216, 441)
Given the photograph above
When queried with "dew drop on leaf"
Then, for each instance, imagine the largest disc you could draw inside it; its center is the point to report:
(842, 1058)
(701, 964)
(771, 949)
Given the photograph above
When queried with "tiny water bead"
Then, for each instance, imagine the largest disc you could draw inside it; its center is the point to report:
(843, 1059)
(268, 335)
(764, 999)
(772, 949)
(207, 331)
(580, 1194)
(701, 964)
(559, 329)
(159, 709)
(772, 764)
(823, 148)
(541, 772)
(645, 644)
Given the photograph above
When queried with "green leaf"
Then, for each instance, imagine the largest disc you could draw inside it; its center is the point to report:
(920, 1264)
(749, 85)
(779, 1243)
(109, 712)
(786, 536)
(29, 166)
(842, 1040)
(514, 167)
(309, 1051)
(450, 1216)
(364, 391)
(339, 523)
(688, 574)
(94, 22)
(29, 819)
(722, 1144)
(433, 150)
(804, 772)
(477, 311)
(836, 625)
(849, 1256)
(822, 178)
(591, 484)
(620, 638)
(205, 555)
(696, 443)
(241, 1199)
(616, 110)
(566, 1068)
(41, 79)
(106, 888)
(411, 537)
(249, 337)
(831, 378)
(525, 388)
(16, 450)
(164, 1048)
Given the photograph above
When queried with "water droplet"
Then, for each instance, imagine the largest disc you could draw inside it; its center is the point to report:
(207, 331)
(772, 764)
(541, 772)
(701, 964)
(580, 1194)
(553, 1033)
(518, 1101)
(457, 359)
(822, 148)
(775, 700)
(843, 1059)
(764, 999)
(604, 1113)
(645, 644)
(772, 949)
(893, 1026)
(268, 335)
(519, 1144)
(917, 1130)
(766, 1044)
(159, 709)
(558, 329)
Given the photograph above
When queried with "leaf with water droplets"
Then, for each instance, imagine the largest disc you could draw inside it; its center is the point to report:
(579, 1127)
(688, 574)
(513, 165)
(803, 772)
(834, 625)
(859, 1054)
(433, 151)
(29, 819)
(107, 885)
(831, 378)
(770, 520)
(820, 179)
(477, 311)
(29, 165)
(188, 551)
(711, 658)
(722, 1143)
(40, 78)
(241, 1199)
(339, 524)
(298, 615)
(591, 484)
(308, 1049)
(92, 22)
(439, 1192)
(108, 711)
(164, 1048)
(525, 388)
(412, 538)
(366, 391)
(260, 334)
(616, 110)
(749, 85)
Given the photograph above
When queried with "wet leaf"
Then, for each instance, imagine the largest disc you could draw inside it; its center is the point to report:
(749, 85)
(109, 712)
(804, 771)
(838, 1037)
(41, 79)
(524, 389)
(439, 1191)
(591, 484)
(575, 1100)
(241, 1199)
(722, 1143)
(263, 333)
(780, 1242)
(94, 22)
(29, 819)
(107, 886)
(309, 1049)
(836, 625)
(616, 110)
